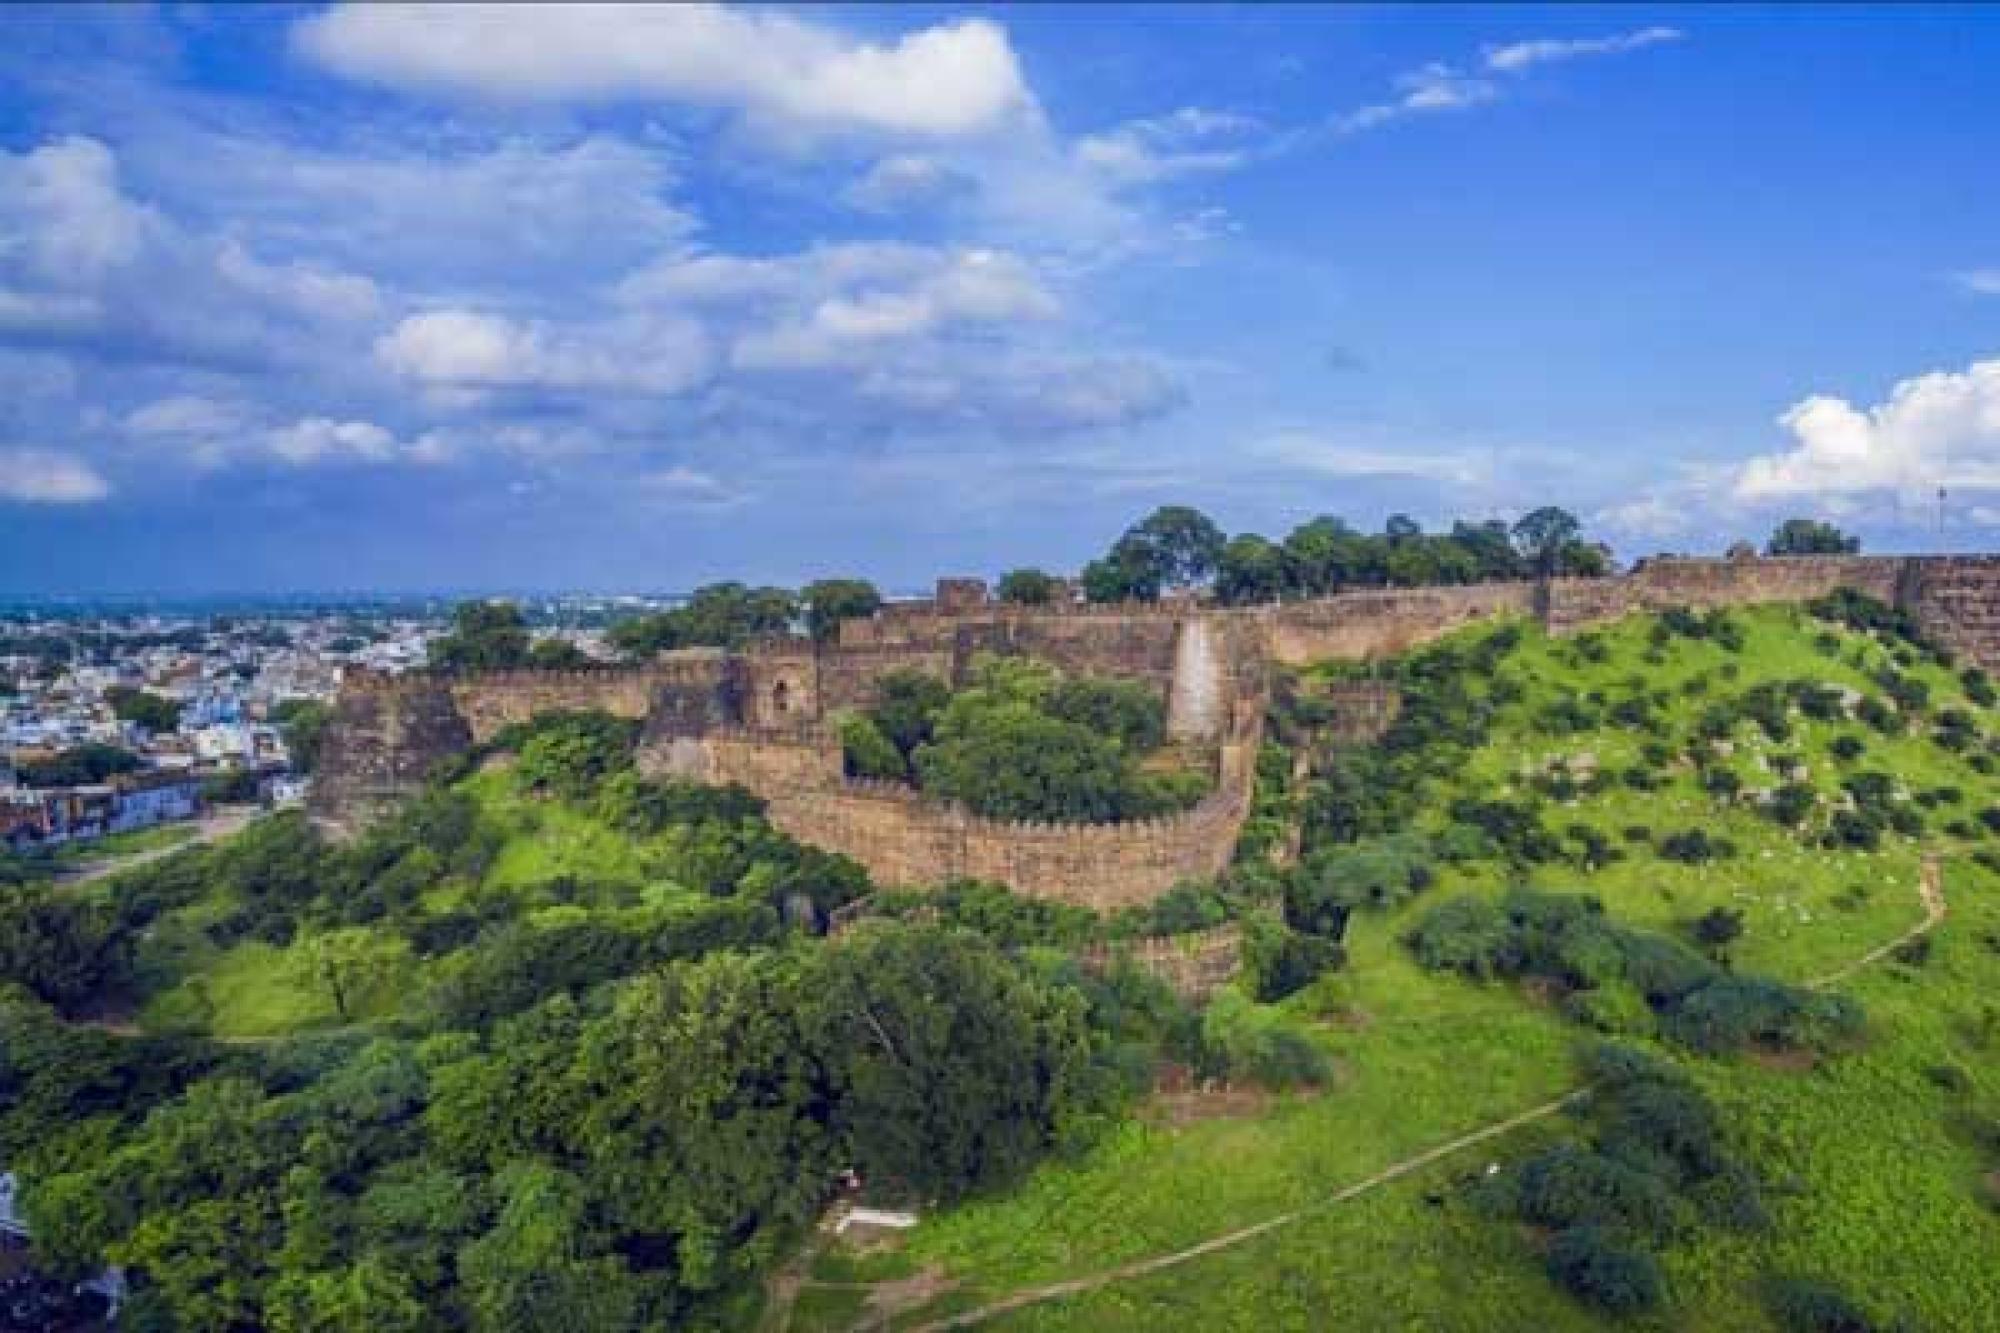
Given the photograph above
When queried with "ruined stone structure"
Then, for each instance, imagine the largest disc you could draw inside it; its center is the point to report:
(763, 717)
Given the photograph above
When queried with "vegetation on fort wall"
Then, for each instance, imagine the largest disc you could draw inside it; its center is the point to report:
(1022, 741)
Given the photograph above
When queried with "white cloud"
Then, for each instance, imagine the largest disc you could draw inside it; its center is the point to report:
(186, 415)
(1186, 142)
(45, 476)
(908, 181)
(307, 289)
(688, 488)
(1517, 56)
(936, 292)
(1435, 87)
(474, 350)
(1939, 429)
(953, 79)
(1979, 281)
(317, 439)
(62, 211)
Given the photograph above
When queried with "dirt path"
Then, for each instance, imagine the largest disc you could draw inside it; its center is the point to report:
(1930, 888)
(209, 828)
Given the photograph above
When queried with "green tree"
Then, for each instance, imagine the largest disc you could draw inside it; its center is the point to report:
(953, 1069)
(351, 965)
(154, 712)
(368, 1297)
(1027, 587)
(906, 708)
(558, 655)
(484, 636)
(1542, 535)
(1805, 536)
(1015, 762)
(540, 1266)
(1250, 569)
(867, 753)
(830, 601)
(304, 724)
(1128, 573)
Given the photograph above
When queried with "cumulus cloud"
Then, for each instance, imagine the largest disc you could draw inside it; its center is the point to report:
(1939, 429)
(320, 439)
(970, 287)
(1186, 142)
(63, 214)
(474, 350)
(46, 476)
(1517, 56)
(952, 79)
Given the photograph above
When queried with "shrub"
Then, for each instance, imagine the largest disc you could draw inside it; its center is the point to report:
(1978, 687)
(1281, 961)
(1810, 1305)
(866, 753)
(1467, 935)
(1589, 1264)
(1718, 927)
(1569, 1187)
(1694, 846)
(1791, 803)
(1848, 748)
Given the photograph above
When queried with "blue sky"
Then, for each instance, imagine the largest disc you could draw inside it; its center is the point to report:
(304, 298)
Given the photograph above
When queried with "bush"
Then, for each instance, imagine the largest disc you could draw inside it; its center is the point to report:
(1280, 961)
(1810, 1305)
(1718, 927)
(1978, 687)
(568, 754)
(1589, 1264)
(866, 753)
(1568, 1187)
(1791, 803)
(1694, 847)
(1848, 748)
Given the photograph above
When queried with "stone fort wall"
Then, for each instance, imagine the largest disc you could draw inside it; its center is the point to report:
(760, 717)
(907, 840)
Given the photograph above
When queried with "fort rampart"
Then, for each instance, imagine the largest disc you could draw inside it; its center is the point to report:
(761, 717)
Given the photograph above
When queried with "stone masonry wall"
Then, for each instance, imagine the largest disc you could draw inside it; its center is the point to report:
(722, 718)
(907, 840)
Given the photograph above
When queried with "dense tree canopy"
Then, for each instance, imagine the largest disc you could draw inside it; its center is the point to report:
(76, 766)
(830, 601)
(1027, 587)
(154, 712)
(484, 636)
(1806, 536)
(720, 615)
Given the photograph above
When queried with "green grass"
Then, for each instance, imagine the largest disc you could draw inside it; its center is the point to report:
(1870, 1183)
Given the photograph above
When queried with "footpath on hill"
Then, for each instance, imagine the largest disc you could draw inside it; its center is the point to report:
(1930, 890)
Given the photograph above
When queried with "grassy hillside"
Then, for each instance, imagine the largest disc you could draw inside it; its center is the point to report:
(1613, 747)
